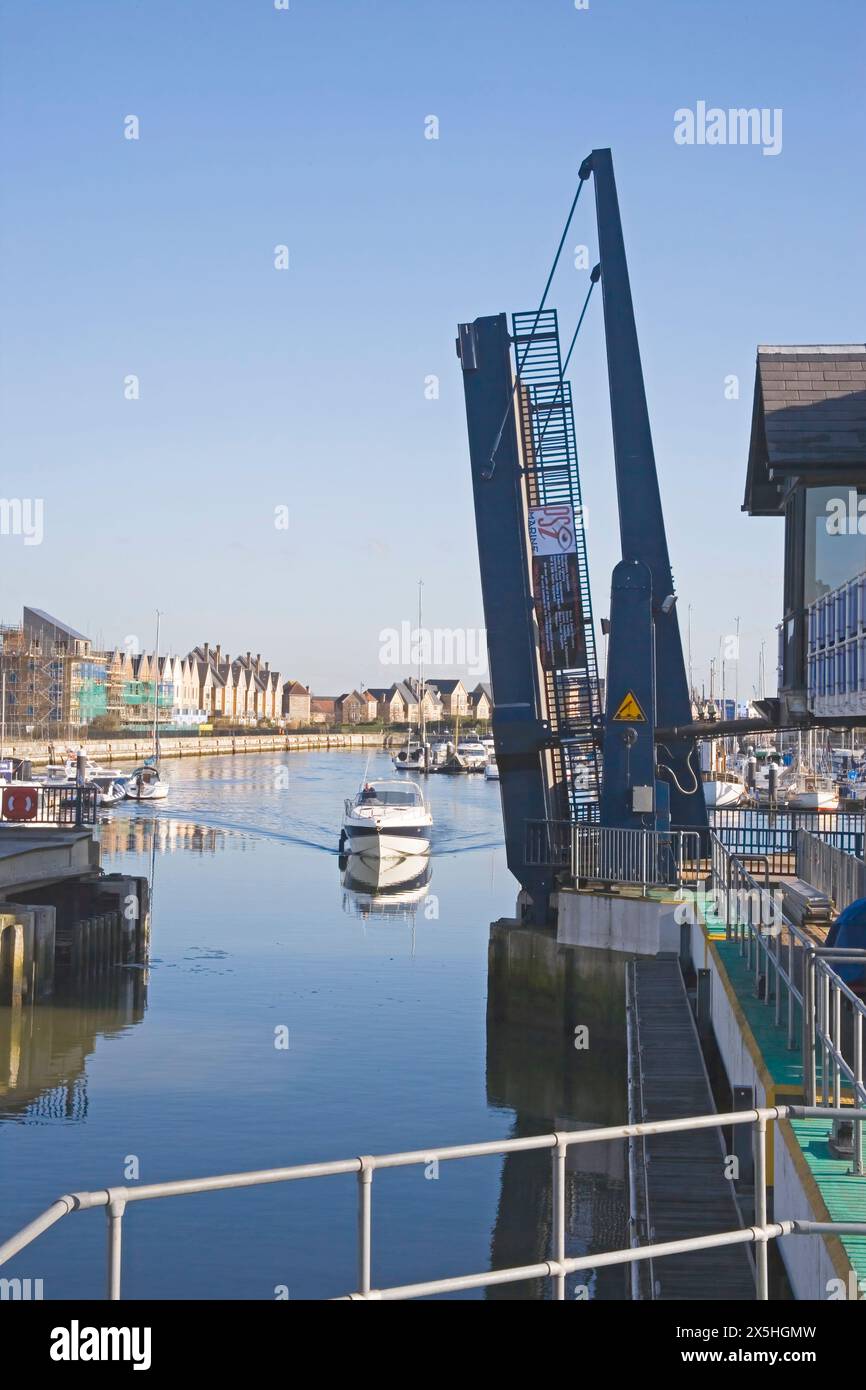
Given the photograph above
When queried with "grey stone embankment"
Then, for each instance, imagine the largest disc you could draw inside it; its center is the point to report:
(134, 750)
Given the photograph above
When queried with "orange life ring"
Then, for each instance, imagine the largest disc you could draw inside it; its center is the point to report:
(20, 802)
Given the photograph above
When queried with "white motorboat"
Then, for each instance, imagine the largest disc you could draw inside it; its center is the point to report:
(439, 752)
(491, 771)
(386, 818)
(472, 754)
(111, 787)
(145, 784)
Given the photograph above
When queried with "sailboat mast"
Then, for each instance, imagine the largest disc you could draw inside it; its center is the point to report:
(423, 719)
(156, 693)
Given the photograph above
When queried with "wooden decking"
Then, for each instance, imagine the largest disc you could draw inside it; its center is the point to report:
(685, 1188)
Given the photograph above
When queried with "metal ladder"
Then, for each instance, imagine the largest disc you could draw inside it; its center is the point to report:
(545, 422)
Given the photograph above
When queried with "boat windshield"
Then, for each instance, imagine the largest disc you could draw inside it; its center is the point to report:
(389, 795)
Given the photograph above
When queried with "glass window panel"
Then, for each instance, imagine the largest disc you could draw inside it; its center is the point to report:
(835, 544)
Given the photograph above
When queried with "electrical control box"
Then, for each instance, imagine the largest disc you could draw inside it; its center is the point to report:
(642, 802)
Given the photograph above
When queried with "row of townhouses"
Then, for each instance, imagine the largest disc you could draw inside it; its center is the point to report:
(56, 683)
(404, 703)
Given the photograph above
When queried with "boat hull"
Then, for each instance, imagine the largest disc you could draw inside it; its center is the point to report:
(387, 840)
(720, 793)
(813, 801)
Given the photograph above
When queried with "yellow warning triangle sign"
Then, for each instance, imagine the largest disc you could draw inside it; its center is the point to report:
(629, 711)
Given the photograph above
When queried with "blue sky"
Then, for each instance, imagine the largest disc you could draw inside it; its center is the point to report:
(305, 388)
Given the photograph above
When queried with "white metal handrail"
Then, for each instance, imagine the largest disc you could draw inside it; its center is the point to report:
(643, 858)
(822, 992)
(116, 1199)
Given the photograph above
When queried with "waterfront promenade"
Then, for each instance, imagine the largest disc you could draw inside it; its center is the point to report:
(135, 750)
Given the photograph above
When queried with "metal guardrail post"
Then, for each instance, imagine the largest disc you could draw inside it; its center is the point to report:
(791, 992)
(810, 1078)
(365, 1225)
(114, 1214)
(558, 1188)
(761, 1207)
(837, 1044)
(857, 1166)
(730, 871)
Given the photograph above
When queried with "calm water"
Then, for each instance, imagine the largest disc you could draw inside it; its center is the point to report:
(385, 1003)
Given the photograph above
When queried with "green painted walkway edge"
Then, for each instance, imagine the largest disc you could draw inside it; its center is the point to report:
(843, 1193)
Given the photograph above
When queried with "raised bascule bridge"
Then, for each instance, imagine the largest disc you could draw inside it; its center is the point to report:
(719, 921)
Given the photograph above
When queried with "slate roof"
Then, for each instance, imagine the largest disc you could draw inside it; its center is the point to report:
(808, 420)
(35, 618)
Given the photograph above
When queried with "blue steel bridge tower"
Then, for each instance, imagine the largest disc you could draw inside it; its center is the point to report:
(534, 579)
(563, 759)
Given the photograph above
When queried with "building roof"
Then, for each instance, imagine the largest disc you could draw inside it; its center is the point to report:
(808, 421)
(407, 693)
(323, 704)
(37, 617)
(295, 688)
(447, 687)
(483, 688)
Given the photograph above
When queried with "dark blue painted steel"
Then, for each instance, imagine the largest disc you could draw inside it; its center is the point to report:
(519, 732)
(629, 750)
(642, 529)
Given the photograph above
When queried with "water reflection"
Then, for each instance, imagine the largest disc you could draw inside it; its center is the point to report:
(44, 1048)
(142, 834)
(538, 994)
(387, 887)
(387, 1048)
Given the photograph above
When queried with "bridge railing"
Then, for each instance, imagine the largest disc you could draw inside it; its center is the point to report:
(834, 871)
(556, 1268)
(772, 834)
(795, 973)
(599, 854)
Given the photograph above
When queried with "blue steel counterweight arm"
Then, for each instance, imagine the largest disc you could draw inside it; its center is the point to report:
(641, 522)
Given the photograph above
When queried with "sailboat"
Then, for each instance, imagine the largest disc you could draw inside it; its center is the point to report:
(145, 783)
(415, 757)
(455, 763)
(809, 789)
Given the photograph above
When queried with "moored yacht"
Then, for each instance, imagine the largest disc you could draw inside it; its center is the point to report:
(473, 755)
(410, 758)
(145, 784)
(812, 791)
(387, 818)
(110, 786)
(723, 789)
